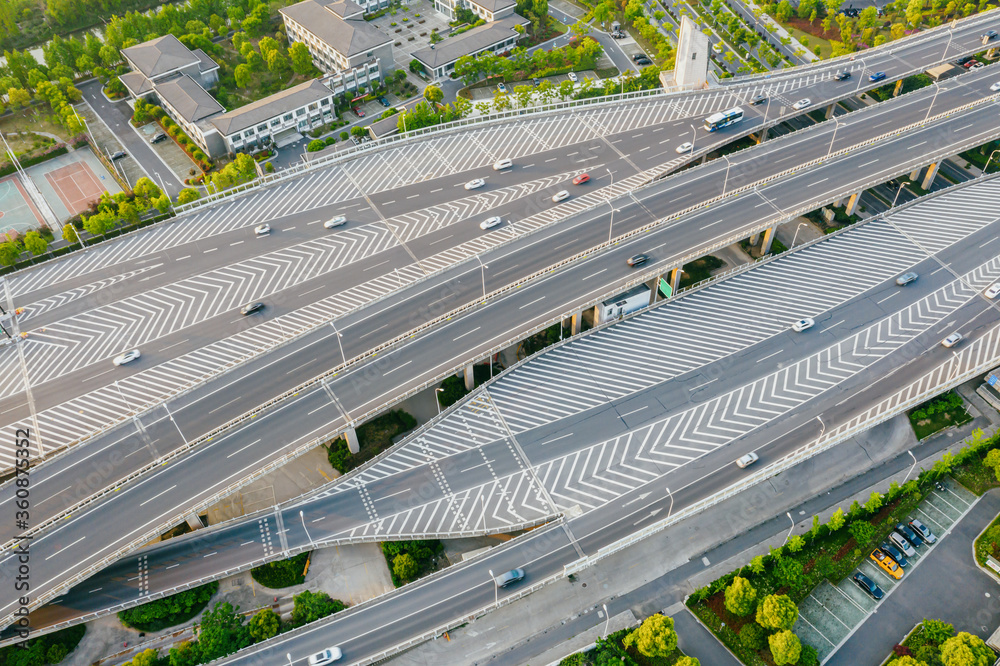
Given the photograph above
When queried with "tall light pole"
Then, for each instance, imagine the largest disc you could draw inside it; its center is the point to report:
(796, 235)
(987, 166)
(611, 203)
(341, 344)
(937, 89)
(895, 198)
(496, 589)
(484, 267)
(726, 181)
(437, 399)
(694, 135)
(607, 620)
(402, 112)
(302, 516)
(288, 655)
(836, 127)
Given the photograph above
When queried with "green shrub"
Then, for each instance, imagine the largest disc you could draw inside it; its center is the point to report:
(315, 145)
(753, 636)
(421, 553)
(168, 611)
(48, 649)
(283, 573)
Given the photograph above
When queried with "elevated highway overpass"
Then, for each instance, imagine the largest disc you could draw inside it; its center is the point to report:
(190, 481)
(634, 422)
(175, 289)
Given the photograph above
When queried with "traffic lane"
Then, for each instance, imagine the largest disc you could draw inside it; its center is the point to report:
(116, 119)
(931, 591)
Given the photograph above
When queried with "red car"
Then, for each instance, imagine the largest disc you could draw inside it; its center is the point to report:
(970, 63)
(581, 179)
(358, 112)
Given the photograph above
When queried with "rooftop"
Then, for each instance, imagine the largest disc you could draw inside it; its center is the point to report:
(264, 109)
(160, 56)
(136, 82)
(495, 5)
(472, 41)
(205, 64)
(349, 37)
(345, 9)
(190, 100)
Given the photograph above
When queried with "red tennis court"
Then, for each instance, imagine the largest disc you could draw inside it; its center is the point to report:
(76, 185)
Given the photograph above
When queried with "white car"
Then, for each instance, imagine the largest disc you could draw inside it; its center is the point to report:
(262, 229)
(573, 77)
(803, 324)
(684, 148)
(327, 656)
(475, 184)
(490, 222)
(995, 87)
(500, 165)
(747, 460)
(338, 221)
(561, 195)
(978, 65)
(127, 357)
(801, 104)
(952, 340)
(992, 291)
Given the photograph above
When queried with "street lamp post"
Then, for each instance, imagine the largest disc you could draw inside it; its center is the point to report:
(437, 399)
(987, 166)
(796, 235)
(496, 589)
(937, 89)
(288, 655)
(302, 516)
(726, 181)
(836, 127)
(483, 267)
(895, 198)
(341, 344)
(402, 112)
(607, 620)
(611, 203)
(694, 135)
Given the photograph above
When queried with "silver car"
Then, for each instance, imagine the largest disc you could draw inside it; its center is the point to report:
(924, 531)
(899, 541)
(906, 278)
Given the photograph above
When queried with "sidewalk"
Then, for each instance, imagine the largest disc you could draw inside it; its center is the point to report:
(659, 572)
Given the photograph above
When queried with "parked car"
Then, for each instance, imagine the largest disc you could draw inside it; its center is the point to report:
(952, 340)
(119, 155)
(561, 195)
(640, 56)
(745, 461)
(573, 77)
(886, 564)
(262, 229)
(644, 62)
(877, 76)
(512, 576)
(490, 222)
(924, 531)
(327, 656)
(250, 308)
(535, 82)
(900, 542)
(637, 260)
(803, 324)
(963, 60)
(801, 104)
(358, 112)
(158, 137)
(501, 87)
(758, 99)
(906, 278)
(970, 63)
(978, 65)
(684, 148)
(842, 75)
(475, 184)
(992, 291)
(126, 357)
(868, 585)
(338, 221)
(910, 534)
(581, 179)
(894, 553)
(383, 101)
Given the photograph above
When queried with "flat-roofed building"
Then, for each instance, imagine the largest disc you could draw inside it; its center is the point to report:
(495, 37)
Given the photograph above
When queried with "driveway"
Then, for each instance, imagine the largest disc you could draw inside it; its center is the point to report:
(947, 586)
(115, 115)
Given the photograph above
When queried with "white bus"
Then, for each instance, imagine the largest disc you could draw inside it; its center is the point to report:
(723, 119)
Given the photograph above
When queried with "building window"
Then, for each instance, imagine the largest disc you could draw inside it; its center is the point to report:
(287, 117)
(248, 134)
(262, 128)
(324, 102)
(313, 106)
(275, 122)
(300, 112)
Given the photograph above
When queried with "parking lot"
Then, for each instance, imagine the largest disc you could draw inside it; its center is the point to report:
(830, 613)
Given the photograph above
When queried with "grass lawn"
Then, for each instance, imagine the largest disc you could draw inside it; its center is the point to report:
(700, 269)
(811, 36)
(31, 119)
(975, 476)
(988, 542)
(374, 437)
(935, 415)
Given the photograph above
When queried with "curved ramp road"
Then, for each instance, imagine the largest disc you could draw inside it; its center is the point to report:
(638, 401)
(83, 310)
(637, 452)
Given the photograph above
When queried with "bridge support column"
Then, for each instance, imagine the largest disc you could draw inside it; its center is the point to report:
(932, 171)
(597, 314)
(991, 53)
(759, 136)
(577, 324)
(193, 521)
(675, 280)
(351, 435)
(470, 378)
(852, 203)
(899, 86)
(704, 158)
(765, 245)
(830, 109)
(915, 174)
(656, 288)
(755, 238)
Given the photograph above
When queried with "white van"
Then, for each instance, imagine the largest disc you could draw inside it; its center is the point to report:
(500, 165)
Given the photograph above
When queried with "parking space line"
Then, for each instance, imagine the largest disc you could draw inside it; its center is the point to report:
(849, 599)
(818, 632)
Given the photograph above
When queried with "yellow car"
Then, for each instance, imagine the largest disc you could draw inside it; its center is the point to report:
(887, 564)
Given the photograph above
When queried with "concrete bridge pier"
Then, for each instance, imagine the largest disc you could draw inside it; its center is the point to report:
(852, 203)
(193, 521)
(765, 245)
(576, 324)
(760, 136)
(915, 174)
(675, 279)
(470, 377)
(899, 87)
(351, 435)
(932, 171)
(830, 110)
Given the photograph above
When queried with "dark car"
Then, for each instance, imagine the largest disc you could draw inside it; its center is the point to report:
(894, 553)
(119, 155)
(535, 82)
(640, 56)
(383, 101)
(512, 576)
(645, 62)
(989, 34)
(637, 260)
(877, 76)
(910, 534)
(158, 137)
(758, 99)
(868, 585)
(250, 308)
(963, 60)
(841, 76)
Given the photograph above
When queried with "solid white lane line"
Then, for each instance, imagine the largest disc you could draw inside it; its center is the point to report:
(244, 448)
(465, 334)
(158, 494)
(174, 345)
(531, 303)
(64, 548)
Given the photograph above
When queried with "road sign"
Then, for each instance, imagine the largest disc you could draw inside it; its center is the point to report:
(992, 379)
(665, 288)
